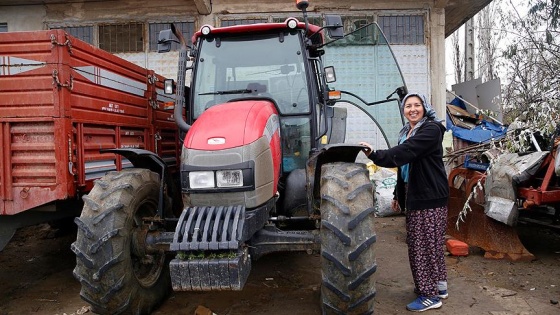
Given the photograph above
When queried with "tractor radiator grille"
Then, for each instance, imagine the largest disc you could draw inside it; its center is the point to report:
(209, 228)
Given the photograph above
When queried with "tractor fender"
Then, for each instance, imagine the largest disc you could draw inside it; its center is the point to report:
(148, 160)
(326, 154)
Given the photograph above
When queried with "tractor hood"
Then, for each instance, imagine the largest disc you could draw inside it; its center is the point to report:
(233, 124)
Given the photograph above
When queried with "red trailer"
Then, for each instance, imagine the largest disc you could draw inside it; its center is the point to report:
(61, 101)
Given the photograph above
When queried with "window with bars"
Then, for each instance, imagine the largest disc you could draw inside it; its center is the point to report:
(122, 38)
(357, 24)
(231, 22)
(315, 20)
(186, 28)
(3, 27)
(84, 33)
(403, 29)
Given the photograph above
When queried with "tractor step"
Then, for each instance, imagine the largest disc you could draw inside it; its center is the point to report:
(210, 274)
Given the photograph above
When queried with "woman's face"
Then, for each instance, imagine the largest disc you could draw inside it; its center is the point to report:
(413, 109)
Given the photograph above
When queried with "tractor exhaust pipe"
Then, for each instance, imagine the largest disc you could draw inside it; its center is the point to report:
(181, 73)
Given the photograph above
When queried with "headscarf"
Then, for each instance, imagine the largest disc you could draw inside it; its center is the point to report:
(429, 113)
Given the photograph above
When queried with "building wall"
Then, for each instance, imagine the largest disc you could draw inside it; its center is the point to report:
(23, 18)
(423, 65)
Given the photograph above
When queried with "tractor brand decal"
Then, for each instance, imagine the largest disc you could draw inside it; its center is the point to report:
(216, 141)
(112, 80)
(14, 65)
(272, 125)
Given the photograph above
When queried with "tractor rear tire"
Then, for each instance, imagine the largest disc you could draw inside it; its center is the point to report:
(347, 239)
(116, 275)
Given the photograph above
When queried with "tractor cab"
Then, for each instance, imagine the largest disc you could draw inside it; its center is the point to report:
(269, 64)
(292, 65)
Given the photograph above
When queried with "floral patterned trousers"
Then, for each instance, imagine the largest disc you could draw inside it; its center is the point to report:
(425, 238)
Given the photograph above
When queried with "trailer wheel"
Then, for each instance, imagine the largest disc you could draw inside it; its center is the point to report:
(347, 239)
(116, 274)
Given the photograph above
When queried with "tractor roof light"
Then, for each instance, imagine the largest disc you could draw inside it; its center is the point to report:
(292, 23)
(205, 30)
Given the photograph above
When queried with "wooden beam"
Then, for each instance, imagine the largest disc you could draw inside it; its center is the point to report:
(204, 7)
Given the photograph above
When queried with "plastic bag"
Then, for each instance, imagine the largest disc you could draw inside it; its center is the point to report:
(384, 180)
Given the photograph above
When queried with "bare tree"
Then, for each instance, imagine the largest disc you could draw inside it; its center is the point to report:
(532, 61)
(458, 61)
(489, 37)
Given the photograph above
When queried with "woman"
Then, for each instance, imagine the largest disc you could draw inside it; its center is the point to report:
(422, 192)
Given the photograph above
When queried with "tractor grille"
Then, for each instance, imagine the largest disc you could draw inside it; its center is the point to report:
(209, 228)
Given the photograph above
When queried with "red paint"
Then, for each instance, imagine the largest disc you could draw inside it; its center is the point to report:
(237, 124)
(54, 116)
(256, 28)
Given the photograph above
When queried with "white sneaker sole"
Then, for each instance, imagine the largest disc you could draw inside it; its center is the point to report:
(433, 306)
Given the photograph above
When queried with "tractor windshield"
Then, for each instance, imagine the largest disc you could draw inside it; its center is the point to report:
(367, 72)
(265, 65)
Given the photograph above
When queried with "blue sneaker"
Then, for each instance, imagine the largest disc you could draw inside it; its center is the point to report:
(423, 303)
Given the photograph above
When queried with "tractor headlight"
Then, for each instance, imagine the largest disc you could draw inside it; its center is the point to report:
(229, 178)
(213, 179)
(201, 179)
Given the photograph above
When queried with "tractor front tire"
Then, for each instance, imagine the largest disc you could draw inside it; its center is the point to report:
(347, 239)
(116, 274)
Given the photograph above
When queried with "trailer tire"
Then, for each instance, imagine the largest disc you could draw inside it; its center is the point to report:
(347, 239)
(116, 276)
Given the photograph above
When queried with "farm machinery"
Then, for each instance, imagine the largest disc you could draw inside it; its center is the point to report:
(61, 100)
(486, 205)
(263, 168)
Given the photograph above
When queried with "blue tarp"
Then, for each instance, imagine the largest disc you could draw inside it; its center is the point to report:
(483, 132)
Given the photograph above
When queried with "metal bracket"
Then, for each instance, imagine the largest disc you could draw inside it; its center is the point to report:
(67, 43)
(157, 138)
(57, 82)
(152, 79)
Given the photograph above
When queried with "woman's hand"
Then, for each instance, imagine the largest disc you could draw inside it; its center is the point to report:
(367, 148)
(395, 206)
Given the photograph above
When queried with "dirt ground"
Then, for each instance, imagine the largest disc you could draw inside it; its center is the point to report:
(36, 278)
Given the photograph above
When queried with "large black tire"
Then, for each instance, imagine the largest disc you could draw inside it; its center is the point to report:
(116, 277)
(347, 239)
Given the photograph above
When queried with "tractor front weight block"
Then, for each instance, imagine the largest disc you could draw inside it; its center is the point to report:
(211, 274)
(209, 241)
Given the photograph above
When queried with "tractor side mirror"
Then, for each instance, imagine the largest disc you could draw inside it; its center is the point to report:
(333, 24)
(165, 38)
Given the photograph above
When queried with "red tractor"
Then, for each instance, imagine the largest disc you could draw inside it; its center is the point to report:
(263, 169)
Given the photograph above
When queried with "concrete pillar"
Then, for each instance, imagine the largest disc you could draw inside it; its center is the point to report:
(436, 39)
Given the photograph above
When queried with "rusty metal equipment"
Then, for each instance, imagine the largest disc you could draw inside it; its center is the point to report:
(537, 201)
(498, 240)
